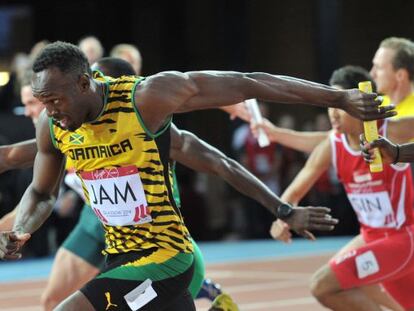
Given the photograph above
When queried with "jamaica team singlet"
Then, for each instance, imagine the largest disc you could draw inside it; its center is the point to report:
(125, 174)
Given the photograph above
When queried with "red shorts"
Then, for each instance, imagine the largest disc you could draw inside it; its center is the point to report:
(388, 260)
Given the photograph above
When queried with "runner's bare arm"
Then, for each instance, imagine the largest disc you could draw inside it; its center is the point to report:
(164, 93)
(19, 155)
(47, 171)
(317, 163)
(297, 140)
(193, 152)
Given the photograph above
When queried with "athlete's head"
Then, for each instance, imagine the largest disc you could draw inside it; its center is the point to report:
(393, 64)
(92, 48)
(347, 77)
(129, 53)
(113, 67)
(62, 82)
(32, 106)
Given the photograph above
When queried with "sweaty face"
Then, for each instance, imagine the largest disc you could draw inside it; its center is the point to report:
(62, 97)
(32, 106)
(383, 72)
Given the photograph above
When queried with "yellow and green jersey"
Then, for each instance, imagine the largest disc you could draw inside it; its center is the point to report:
(125, 173)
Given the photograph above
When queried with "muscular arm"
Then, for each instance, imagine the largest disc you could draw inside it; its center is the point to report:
(20, 155)
(165, 93)
(34, 206)
(189, 150)
(317, 163)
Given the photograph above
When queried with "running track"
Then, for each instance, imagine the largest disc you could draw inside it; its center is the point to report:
(259, 275)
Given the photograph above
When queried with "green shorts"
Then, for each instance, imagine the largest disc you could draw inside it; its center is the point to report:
(87, 239)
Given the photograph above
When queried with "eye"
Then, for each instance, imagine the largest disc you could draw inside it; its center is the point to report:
(56, 101)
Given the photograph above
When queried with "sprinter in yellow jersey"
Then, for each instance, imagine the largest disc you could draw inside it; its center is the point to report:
(115, 134)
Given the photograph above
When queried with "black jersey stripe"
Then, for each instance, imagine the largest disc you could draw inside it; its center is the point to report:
(119, 109)
(122, 99)
(155, 194)
(104, 121)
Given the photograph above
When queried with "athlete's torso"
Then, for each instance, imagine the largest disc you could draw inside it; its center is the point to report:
(382, 201)
(125, 174)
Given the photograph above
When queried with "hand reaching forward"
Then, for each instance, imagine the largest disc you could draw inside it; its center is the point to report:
(11, 243)
(306, 219)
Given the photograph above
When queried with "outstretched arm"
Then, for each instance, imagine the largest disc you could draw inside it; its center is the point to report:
(194, 153)
(317, 163)
(20, 155)
(165, 93)
(300, 141)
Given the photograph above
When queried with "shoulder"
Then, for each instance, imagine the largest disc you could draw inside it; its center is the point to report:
(43, 133)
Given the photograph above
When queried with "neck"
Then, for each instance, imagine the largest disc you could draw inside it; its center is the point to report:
(97, 99)
(401, 92)
(353, 141)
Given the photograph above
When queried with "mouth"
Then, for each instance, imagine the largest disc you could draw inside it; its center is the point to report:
(63, 121)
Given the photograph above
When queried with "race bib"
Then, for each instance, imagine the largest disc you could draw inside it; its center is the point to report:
(117, 196)
(373, 209)
(366, 264)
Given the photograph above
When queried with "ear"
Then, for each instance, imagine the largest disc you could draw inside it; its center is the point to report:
(402, 75)
(84, 83)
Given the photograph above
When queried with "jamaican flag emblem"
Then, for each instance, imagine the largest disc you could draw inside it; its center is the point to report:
(76, 139)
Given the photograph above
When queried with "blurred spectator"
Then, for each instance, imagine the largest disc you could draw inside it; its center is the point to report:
(264, 163)
(9, 93)
(129, 53)
(92, 48)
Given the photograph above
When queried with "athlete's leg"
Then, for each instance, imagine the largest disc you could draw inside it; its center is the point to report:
(69, 273)
(338, 284)
(375, 292)
(327, 290)
(77, 261)
(161, 284)
(199, 271)
(75, 302)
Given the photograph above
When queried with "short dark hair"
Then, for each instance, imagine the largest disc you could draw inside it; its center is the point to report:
(115, 67)
(68, 58)
(349, 76)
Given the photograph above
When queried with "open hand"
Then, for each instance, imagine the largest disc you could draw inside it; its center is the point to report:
(366, 106)
(306, 219)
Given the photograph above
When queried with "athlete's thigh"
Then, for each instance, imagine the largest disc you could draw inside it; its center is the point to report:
(356, 242)
(128, 273)
(86, 246)
(75, 302)
(199, 271)
(402, 290)
(377, 261)
(69, 273)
